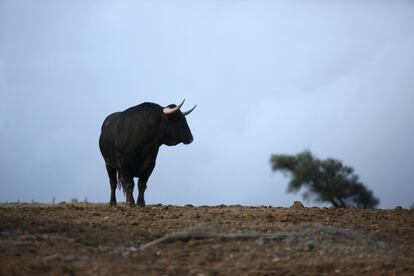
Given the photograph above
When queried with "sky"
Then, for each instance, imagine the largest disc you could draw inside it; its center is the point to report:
(333, 77)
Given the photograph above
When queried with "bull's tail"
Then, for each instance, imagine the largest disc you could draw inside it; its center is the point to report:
(121, 184)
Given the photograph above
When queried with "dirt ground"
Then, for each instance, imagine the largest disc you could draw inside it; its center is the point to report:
(95, 239)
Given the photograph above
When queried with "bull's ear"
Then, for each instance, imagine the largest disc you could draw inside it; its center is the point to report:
(185, 113)
(168, 110)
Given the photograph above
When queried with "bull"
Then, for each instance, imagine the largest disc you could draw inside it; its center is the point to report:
(130, 141)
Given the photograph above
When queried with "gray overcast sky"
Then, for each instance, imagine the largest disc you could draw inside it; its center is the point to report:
(335, 77)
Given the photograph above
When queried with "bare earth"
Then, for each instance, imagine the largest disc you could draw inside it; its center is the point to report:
(95, 239)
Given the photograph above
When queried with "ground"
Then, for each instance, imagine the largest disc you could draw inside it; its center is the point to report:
(96, 239)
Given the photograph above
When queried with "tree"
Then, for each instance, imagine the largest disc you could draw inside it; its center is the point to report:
(324, 180)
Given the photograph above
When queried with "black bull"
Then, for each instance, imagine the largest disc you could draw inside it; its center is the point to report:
(130, 140)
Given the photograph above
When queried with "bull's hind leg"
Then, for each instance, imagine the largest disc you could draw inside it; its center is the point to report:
(142, 186)
(128, 185)
(113, 181)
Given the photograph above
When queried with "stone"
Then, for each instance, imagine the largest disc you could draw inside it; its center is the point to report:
(297, 205)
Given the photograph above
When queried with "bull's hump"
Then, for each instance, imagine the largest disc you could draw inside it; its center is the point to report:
(147, 106)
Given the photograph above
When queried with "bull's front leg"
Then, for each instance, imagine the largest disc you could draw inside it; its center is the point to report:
(142, 186)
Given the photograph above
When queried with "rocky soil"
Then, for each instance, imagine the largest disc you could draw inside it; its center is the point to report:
(95, 239)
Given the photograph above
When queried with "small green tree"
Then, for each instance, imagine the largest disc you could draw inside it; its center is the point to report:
(324, 180)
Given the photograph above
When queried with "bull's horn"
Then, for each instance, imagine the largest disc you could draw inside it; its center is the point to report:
(168, 110)
(181, 104)
(189, 111)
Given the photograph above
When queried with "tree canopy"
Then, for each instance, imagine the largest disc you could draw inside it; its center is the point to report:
(324, 180)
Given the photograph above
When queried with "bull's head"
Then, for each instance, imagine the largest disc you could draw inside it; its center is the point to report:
(177, 129)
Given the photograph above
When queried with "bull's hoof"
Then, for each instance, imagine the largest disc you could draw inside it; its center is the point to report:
(141, 204)
(131, 203)
(112, 203)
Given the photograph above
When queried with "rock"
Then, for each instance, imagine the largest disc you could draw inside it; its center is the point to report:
(216, 246)
(52, 257)
(309, 246)
(398, 208)
(260, 242)
(4, 233)
(276, 259)
(66, 258)
(69, 258)
(26, 237)
(297, 205)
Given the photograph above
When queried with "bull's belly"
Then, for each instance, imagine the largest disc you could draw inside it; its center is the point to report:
(135, 167)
